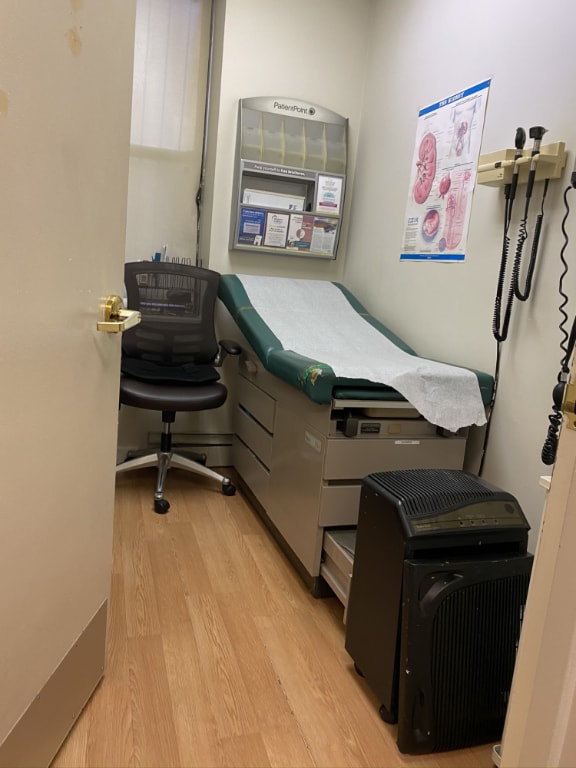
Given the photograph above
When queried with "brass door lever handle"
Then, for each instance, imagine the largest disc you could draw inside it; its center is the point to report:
(116, 318)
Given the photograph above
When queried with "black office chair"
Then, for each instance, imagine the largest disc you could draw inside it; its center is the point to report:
(169, 360)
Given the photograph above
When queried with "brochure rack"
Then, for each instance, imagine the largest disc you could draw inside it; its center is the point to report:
(290, 178)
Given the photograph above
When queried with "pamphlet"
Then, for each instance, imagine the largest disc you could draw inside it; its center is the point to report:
(324, 235)
(329, 194)
(251, 229)
(273, 199)
(276, 229)
(300, 231)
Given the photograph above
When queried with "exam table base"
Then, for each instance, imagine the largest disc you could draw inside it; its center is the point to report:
(304, 475)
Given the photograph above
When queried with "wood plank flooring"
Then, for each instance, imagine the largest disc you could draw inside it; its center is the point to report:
(219, 656)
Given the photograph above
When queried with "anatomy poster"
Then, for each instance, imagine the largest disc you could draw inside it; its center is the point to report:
(448, 140)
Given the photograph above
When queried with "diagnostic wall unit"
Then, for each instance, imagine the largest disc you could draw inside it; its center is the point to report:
(290, 178)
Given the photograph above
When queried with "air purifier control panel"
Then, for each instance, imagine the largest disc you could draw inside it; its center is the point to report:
(483, 514)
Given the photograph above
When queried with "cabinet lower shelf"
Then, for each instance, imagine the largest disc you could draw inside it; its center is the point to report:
(337, 561)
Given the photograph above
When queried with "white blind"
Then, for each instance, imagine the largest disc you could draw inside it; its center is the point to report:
(170, 64)
(169, 73)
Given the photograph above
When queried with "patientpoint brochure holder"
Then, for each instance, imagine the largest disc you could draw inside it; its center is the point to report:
(290, 178)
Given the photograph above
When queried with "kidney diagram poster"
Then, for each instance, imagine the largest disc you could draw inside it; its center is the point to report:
(448, 139)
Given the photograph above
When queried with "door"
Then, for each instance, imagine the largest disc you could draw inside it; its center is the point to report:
(65, 100)
(540, 725)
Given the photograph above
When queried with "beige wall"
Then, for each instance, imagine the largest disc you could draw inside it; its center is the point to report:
(314, 51)
(378, 62)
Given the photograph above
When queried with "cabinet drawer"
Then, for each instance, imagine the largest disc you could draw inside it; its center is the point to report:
(355, 458)
(254, 435)
(252, 472)
(260, 405)
(339, 505)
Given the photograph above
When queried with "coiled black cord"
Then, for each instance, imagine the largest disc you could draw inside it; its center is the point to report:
(550, 446)
(524, 294)
(499, 327)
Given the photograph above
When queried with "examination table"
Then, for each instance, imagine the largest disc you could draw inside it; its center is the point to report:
(325, 396)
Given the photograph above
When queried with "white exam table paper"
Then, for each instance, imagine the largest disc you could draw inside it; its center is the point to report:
(313, 318)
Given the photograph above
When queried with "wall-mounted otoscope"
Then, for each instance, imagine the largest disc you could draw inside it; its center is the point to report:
(510, 168)
(510, 189)
(497, 168)
(500, 325)
(536, 133)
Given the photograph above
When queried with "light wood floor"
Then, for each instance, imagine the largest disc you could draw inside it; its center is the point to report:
(219, 656)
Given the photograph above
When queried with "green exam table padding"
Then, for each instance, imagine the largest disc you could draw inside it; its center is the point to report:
(313, 377)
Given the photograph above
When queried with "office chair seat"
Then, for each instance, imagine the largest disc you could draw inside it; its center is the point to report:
(171, 397)
(169, 359)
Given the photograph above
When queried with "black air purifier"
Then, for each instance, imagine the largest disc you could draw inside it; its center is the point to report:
(436, 602)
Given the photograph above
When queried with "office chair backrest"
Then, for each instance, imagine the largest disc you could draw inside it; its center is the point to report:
(177, 303)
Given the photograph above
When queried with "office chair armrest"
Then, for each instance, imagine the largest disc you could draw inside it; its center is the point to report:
(226, 347)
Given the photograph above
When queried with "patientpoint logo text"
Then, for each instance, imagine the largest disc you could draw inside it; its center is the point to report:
(294, 108)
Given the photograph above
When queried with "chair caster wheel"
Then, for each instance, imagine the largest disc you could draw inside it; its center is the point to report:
(161, 506)
(228, 489)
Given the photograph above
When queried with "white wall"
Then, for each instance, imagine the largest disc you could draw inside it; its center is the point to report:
(423, 51)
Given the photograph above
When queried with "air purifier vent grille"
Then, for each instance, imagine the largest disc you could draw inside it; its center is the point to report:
(474, 641)
(418, 493)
